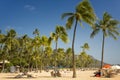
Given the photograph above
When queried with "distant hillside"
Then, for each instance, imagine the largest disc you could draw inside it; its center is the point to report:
(97, 63)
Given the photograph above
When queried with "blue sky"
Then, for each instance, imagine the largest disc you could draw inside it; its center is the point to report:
(26, 15)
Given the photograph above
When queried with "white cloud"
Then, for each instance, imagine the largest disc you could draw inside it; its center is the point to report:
(30, 7)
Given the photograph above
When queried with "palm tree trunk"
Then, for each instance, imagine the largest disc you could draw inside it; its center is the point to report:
(36, 63)
(56, 57)
(102, 51)
(3, 65)
(102, 54)
(20, 59)
(41, 66)
(36, 67)
(29, 60)
(73, 55)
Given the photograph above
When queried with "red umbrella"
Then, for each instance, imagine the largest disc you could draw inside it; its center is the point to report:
(107, 66)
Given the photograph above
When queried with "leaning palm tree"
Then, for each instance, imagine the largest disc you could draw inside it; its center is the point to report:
(84, 12)
(109, 27)
(61, 33)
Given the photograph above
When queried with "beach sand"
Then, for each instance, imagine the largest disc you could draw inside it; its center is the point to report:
(66, 75)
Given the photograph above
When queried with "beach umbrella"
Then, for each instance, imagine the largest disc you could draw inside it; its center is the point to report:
(115, 67)
(6, 61)
(106, 66)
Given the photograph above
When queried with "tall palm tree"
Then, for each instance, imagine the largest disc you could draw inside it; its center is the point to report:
(84, 12)
(61, 33)
(109, 27)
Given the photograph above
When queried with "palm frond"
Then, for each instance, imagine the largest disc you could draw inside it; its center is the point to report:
(85, 4)
(50, 41)
(86, 11)
(57, 29)
(81, 23)
(115, 32)
(87, 20)
(11, 33)
(2, 36)
(63, 31)
(25, 36)
(36, 32)
(112, 35)
(69, 22)
(66, 14)
(52, 35)
(95, 32)
(64, 38)
(114, 22)
(106, 17)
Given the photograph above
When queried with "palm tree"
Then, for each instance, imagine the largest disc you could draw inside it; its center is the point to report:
(68, 56)
(36, 32)
(60, 56)
(85, 59)
(11, 38)
(47, 55)
(9, 42)
(84, 12)
(61, 33)
(85, 47)
(109, 27)
(2, 52)
(36, 47)
(26, 50)
(45, 42)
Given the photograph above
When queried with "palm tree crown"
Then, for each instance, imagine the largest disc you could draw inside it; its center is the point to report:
(84, 12)
(108, 26)
(61, 33)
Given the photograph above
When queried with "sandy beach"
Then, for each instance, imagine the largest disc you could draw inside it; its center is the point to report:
(66, 75)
